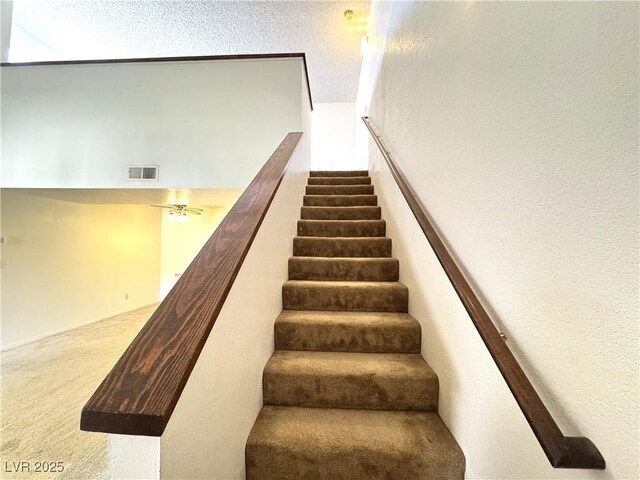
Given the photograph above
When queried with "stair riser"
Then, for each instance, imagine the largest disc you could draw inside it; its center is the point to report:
(341, 247)
(339, 181)
(364, 270)
(341, 228)
(340, 213)
(339, 190)
(340, 200)
(268, 462)
(333, 173)
(379, 299)
(346, 337)
(370, 392)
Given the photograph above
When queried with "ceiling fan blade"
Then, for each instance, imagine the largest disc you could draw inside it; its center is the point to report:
(162, 206)
(194, 211)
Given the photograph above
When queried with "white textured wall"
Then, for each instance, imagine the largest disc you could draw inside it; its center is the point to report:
(333, 136)
(66, 264)
(517, 125)
(82, 125)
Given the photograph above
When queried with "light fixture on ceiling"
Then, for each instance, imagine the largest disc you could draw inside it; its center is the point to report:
(177, 217)
(356, 21)
(180, 212)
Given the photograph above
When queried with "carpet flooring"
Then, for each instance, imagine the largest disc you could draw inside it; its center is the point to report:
(43, 387)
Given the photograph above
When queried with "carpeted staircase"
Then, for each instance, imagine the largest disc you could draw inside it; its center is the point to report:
(347, 394)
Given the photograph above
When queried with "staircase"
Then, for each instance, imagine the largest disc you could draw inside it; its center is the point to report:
(347, 394)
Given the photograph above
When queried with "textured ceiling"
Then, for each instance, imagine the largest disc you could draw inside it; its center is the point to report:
(82, 29)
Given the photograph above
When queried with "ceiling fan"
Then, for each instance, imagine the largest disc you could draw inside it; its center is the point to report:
(180, 211)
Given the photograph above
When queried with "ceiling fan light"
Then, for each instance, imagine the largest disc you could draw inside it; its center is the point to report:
(180, 212)
(177, 216)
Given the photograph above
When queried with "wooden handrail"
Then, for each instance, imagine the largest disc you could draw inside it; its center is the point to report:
(193, 58)
(139, 394)
(562, 451)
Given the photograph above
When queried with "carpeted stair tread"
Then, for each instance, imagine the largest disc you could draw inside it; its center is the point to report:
(339, 173)
(340, 213)
(342, 247)
(376, 381)
(339, 200)
(339, 190)
(373, 332)
(341, 228)
(354, 296)
(288, 443)
(345, 269)
(339, 181)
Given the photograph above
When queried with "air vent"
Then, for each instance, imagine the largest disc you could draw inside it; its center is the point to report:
(143, 173)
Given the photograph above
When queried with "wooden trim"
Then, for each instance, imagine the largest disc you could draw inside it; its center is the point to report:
(139, 394)
(562, 452)
(253, 56)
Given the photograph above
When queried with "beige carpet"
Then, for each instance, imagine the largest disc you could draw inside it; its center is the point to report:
(43, 387)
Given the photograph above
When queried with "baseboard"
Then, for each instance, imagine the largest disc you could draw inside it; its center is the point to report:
(37, 338)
